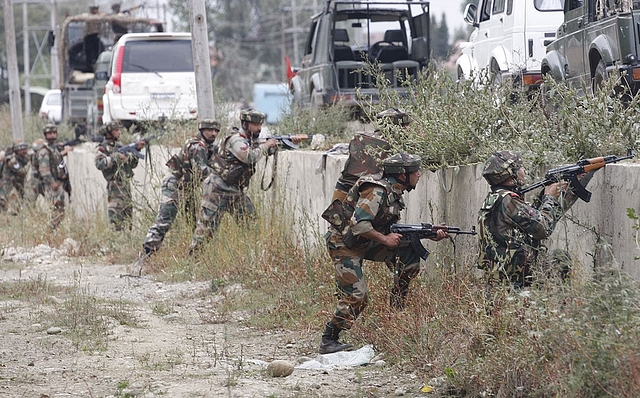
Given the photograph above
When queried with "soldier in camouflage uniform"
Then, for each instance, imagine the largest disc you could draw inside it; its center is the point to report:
(14, 171)
(117, 169)
(366, 151)
(233, 165)
(49, 169)
(510, 229)
(187, 171)
(371, 206)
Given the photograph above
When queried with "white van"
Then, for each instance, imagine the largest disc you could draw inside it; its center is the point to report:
(509, 40)
(51, 108)
(151, 77)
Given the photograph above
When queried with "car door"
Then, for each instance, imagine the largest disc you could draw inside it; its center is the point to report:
(572, 43)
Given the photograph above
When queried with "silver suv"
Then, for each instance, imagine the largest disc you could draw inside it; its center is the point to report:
(347, 37)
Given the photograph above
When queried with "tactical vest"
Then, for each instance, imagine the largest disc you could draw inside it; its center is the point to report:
(120, 171)
(504, 253)
(339, 213)
(55, 163)
(229, 168)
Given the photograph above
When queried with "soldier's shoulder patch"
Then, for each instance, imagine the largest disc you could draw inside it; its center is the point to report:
(514, 195)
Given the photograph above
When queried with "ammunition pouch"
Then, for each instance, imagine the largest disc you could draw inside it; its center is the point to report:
(335, 215)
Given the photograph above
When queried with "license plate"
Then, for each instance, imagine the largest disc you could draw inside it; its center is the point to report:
(163, 95)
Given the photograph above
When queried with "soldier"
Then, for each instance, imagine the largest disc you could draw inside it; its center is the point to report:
(91, 42)
(511, 230)
(14, 171)
(371, 206)
(117, 169)
(367, 150)
(232, 165)
(187, 171)
(51, 172)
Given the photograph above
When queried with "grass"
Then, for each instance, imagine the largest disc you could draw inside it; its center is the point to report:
(577, 339)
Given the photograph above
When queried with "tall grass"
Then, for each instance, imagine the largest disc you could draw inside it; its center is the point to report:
(577, 339)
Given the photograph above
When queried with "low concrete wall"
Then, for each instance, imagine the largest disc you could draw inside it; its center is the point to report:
(305, 181)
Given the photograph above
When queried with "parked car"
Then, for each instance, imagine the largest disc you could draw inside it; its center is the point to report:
(51, 108)
(509, 40)
(394, 35)
(151, 77)
(595, 40)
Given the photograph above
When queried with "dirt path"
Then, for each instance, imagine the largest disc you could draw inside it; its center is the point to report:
(174, 348)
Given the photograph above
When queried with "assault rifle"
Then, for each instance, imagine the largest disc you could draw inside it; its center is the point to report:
(571, 172)
(415, 232)
(286, 139)
(133, 147)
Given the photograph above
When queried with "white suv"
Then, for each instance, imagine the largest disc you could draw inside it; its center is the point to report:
(509, 40)
(151, 77)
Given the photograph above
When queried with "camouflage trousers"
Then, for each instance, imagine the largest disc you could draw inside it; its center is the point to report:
(57, 199)
(174, 194)
(214, 206)
(119, 204)
(11, 196)
(351, 283)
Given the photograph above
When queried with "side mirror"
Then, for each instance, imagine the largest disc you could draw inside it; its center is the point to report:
(51, 38)
(470, 12)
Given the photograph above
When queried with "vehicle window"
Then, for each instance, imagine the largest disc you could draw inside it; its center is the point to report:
(549, 5)
(573, 4)
(485, 13)
(498, 6)
(54, 99)
(157, 56)
(310, 39)
(509, 7)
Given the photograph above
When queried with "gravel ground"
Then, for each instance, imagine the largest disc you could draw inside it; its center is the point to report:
(178, 345)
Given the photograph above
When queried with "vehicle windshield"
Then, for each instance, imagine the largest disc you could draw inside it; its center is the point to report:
(157, 56)
(549, 5)
(54, 99)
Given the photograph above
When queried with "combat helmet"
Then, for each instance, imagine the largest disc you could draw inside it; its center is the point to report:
(394, 116)
(109, 127)
(502, 165)
(209, 124)
(20, 146)
(252, 115)
(401, 163)
(50, 128)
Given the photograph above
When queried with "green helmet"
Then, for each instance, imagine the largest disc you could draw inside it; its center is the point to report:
(50, 128)
(109, 127)
(252, 115)
(502, 165)
(394, 116)
(401, 163)
(209, 124)
(20, 146)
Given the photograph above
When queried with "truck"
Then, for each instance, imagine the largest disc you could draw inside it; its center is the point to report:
(349, 36)
(596, 39)
(77, 78)
(508, 41)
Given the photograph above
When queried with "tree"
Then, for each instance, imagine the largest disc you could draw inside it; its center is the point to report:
(439, 38)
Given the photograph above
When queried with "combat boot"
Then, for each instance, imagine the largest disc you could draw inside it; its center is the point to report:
(329, 342)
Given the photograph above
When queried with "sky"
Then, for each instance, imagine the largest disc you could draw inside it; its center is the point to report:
(451, 9)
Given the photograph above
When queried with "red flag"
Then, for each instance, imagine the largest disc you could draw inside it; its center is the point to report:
(290, 72)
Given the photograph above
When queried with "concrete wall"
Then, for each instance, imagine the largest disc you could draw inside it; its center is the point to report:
(305, 180)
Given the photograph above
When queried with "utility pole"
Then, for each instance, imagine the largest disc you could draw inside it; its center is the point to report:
(55, 71)
(201, 58)
(27, 61)
(14, 76)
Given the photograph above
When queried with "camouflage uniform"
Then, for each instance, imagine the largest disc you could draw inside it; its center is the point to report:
(52, 177)
(14, 171)
(366, 151)
(187, 170)
(510, 229)
(118, 174)
(33, 185)
(373, 203)
(232, 165)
